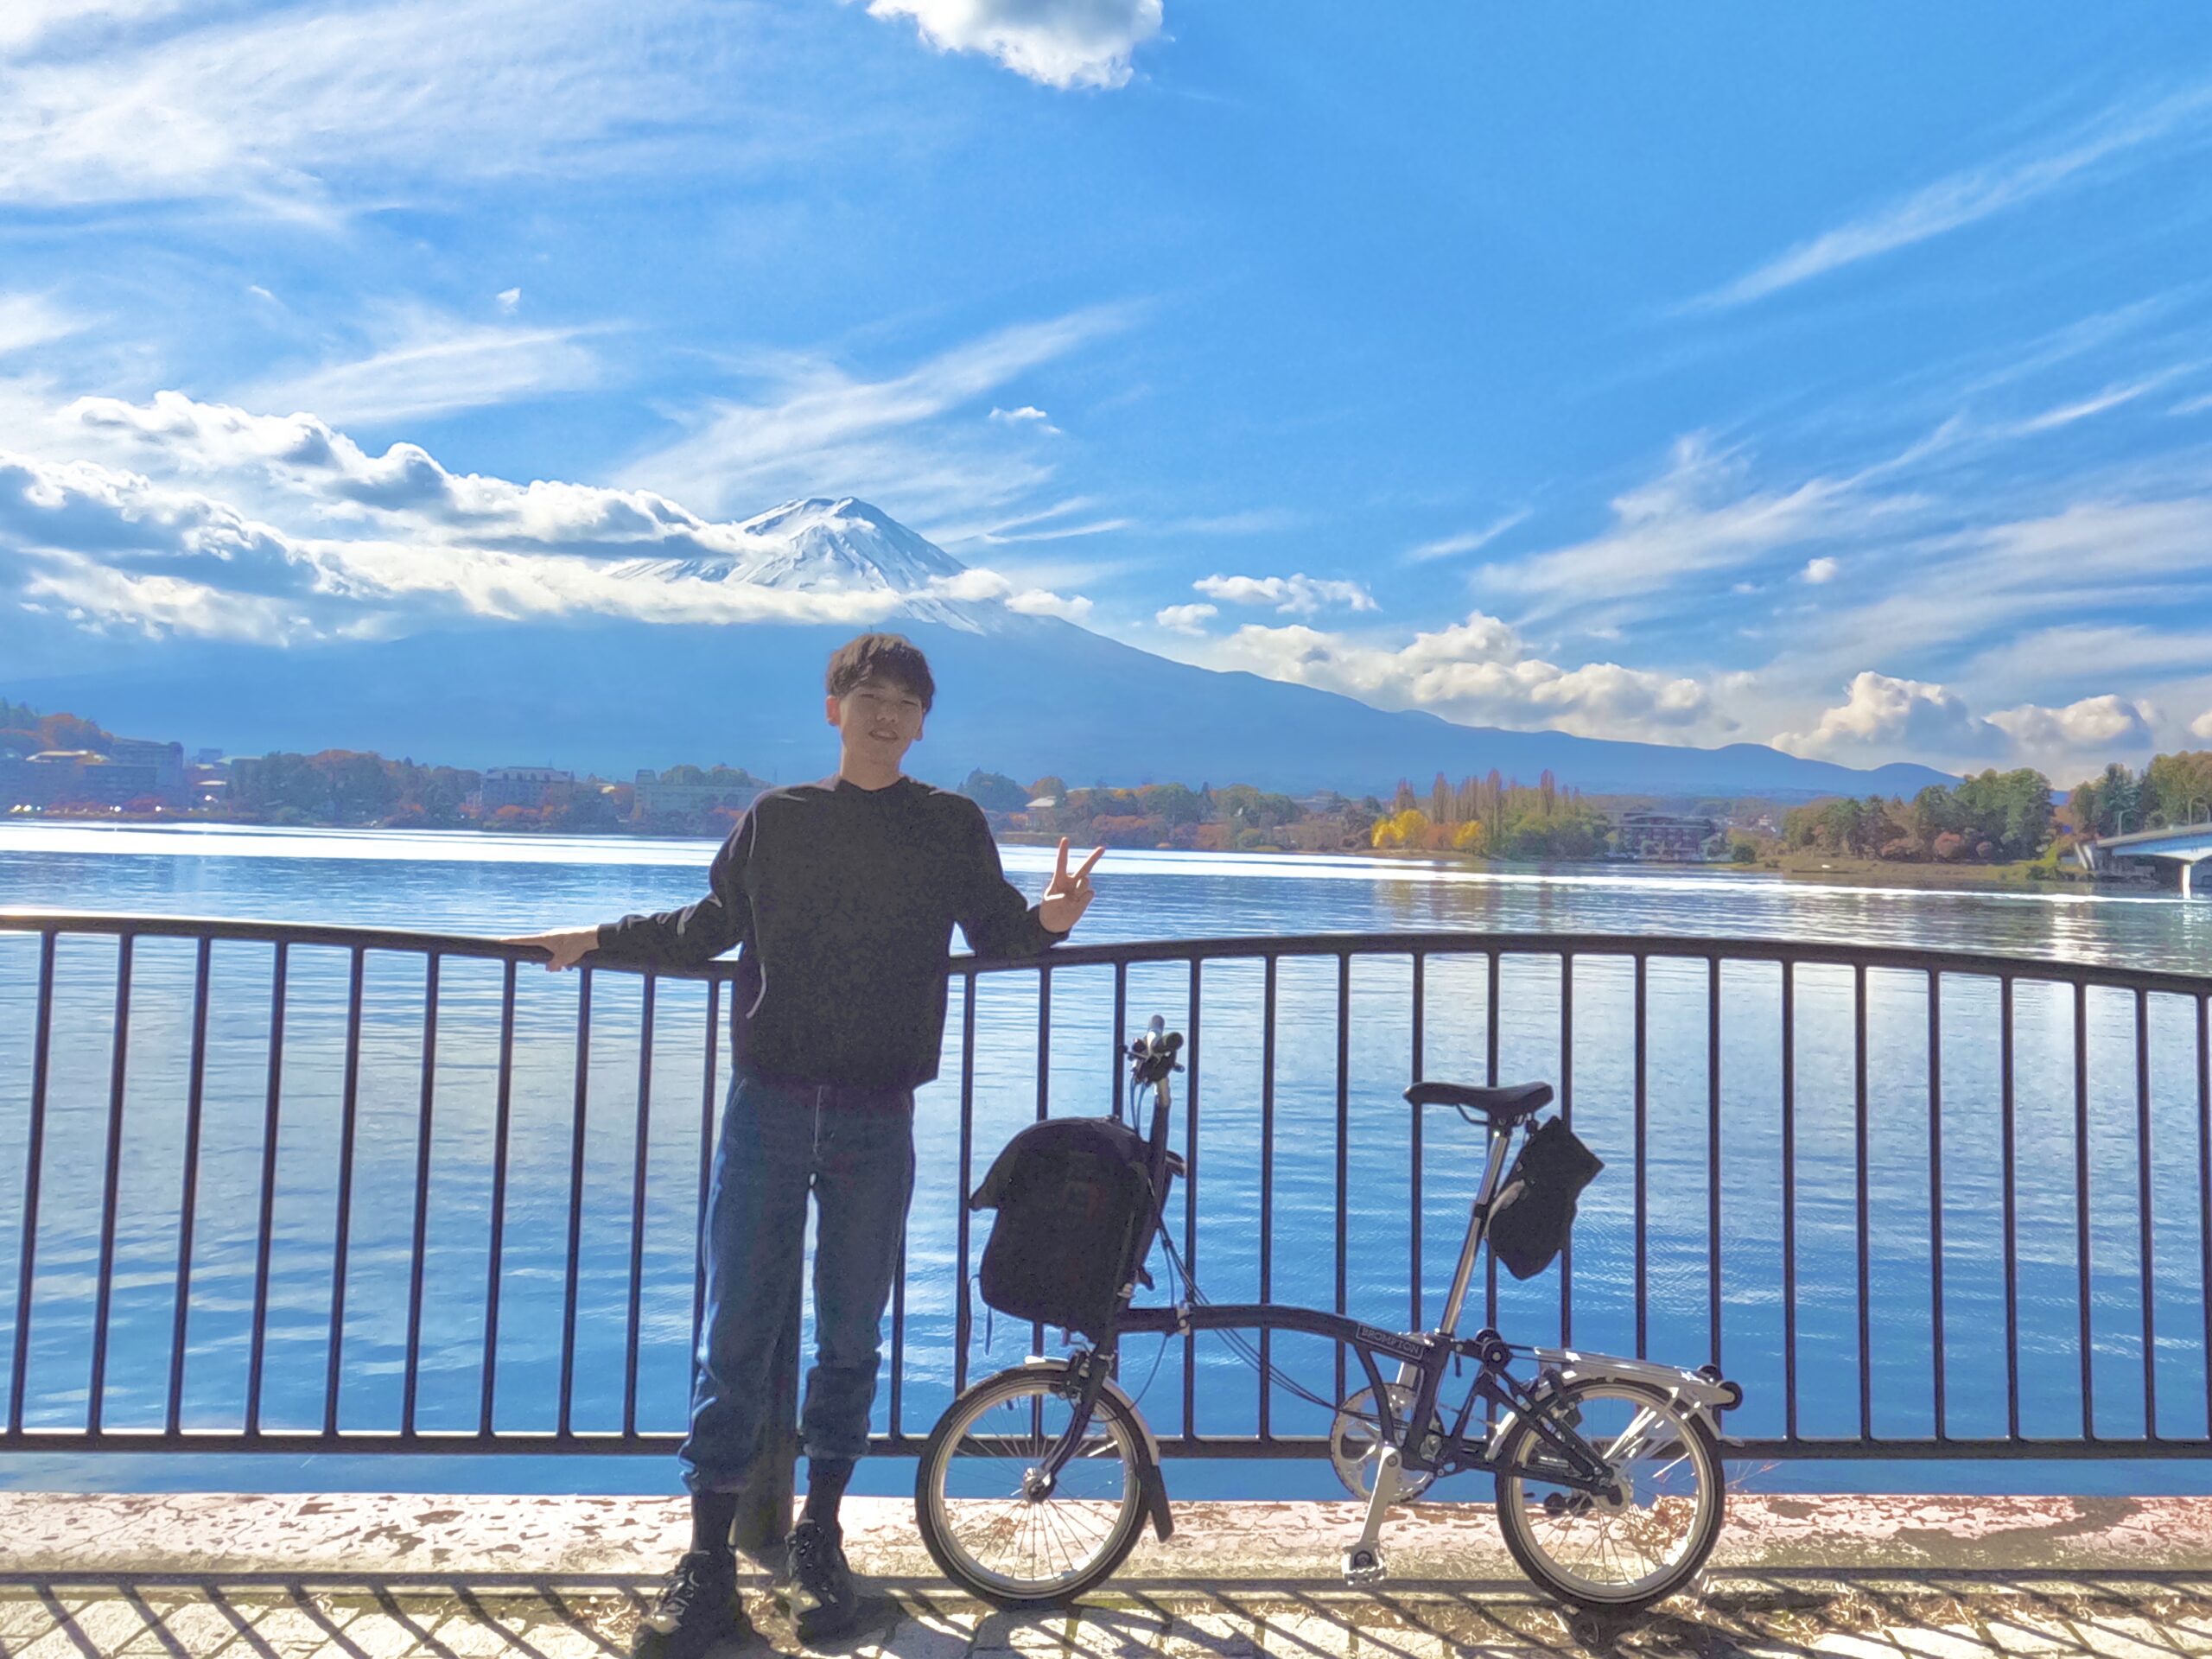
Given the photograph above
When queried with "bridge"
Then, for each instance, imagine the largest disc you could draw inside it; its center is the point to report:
(2188, 845)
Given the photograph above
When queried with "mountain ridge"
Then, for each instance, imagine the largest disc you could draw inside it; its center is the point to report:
(1022, 694)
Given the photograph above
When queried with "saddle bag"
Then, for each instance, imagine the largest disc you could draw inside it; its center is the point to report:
(1533, 1211)
(1075, 1211)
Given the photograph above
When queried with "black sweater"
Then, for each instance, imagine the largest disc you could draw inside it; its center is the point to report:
(844, 900)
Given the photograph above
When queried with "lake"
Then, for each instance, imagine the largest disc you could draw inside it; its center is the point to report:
(471, 884)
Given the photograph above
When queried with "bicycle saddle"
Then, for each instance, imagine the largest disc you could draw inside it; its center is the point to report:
(1502, 1107)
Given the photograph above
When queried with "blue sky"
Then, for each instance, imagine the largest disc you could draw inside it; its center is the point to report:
(1840, 378)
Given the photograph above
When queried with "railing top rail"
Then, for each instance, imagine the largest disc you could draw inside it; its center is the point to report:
(1687, 947)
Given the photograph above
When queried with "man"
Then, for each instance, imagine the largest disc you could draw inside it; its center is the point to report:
(844, 894)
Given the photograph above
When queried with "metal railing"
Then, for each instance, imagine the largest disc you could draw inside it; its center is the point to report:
(2113, 1065)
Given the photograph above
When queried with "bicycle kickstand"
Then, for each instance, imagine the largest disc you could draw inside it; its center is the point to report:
(1363, 1562)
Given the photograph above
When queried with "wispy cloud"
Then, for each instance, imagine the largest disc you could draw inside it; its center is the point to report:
(1465, 541)
(816, 426)
(306, 109)
(1974, 194)
(434, 364)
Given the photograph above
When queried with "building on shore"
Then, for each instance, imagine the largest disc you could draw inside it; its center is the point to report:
(131, 770)
(1670, 838)
(692, 791)
(527, 787)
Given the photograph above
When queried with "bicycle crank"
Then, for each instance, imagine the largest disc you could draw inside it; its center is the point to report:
(1356, 1442)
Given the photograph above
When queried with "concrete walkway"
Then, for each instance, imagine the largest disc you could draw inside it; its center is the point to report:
(383, 1576)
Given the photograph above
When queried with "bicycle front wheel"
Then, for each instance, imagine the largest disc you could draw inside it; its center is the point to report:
(1638, 1543)
(991, 1521)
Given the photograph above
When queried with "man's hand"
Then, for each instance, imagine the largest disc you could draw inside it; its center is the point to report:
(1068, 895)
(565, 948)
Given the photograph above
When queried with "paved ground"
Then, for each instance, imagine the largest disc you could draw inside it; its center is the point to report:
(382, 1577)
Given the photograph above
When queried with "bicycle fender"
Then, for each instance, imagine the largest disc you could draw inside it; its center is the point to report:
(1151, 1478)
(1706, 1394)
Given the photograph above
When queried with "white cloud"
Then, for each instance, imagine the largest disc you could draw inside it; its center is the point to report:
(510, 299)
(1191, 619)
(1036, 602)
(1477, 672)
(1884, 718)
(816, 425)
(430, 363)
(1891, 716)
(1061, 43)
(2201, 726)
(1821, 570)
(1970, 194)
(1465, 541)
(29, 319)
(1027, 415)
(1294, 596)
(2104, 725)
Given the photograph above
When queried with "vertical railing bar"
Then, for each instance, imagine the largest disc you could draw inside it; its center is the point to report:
(2081, 1203)
(258, 1343)
(2143, 1214)
(1490, 1080)
(565, 1406)
(1044, 1040)
(1344, 1140)
(341, 1243)
(1712, 1153)
(1412, 1171)
(426, 1099)
(1643, 1101)
(188, 1187)
(2204, 1188)
(640, 1162)
(2007, 1123)
(713, 1045)
(1863, 1210)
(1567, 1118)
(1044, 1092)
(1267, 1181)
(1790, 1200)
(1936, 1192)
(1191, 1196)
(34, 1158)
(1116, 1091)
(111, 1182)
(899, 1332)
(495, 1245)
(960, 1315)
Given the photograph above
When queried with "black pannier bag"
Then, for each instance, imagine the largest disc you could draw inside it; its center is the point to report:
(1534, 1210)
(1074, 1218)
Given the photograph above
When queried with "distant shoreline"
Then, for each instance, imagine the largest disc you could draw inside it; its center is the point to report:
(1810, 869)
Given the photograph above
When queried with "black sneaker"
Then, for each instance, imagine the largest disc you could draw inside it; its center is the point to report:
(817, 1585)
(696, 1610)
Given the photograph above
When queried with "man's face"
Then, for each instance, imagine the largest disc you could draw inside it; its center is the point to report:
(880, 719)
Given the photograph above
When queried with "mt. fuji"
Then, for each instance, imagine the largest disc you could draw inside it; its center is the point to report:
(610, 689)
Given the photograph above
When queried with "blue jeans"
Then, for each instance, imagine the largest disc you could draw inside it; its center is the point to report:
(854, 1149)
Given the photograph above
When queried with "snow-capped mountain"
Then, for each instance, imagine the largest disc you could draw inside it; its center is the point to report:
(820, 545)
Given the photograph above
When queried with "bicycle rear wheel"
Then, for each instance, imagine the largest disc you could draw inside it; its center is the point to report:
(1641, 1543)
(989, 1520)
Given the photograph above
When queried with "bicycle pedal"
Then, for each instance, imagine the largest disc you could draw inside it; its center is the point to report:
(1365, 1566)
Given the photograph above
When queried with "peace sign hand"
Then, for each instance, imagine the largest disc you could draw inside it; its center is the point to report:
(1066, 898)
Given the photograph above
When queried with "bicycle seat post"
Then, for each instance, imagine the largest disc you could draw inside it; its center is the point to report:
(1477, 1218)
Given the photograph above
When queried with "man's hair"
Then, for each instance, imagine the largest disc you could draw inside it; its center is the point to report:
(882, 657)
